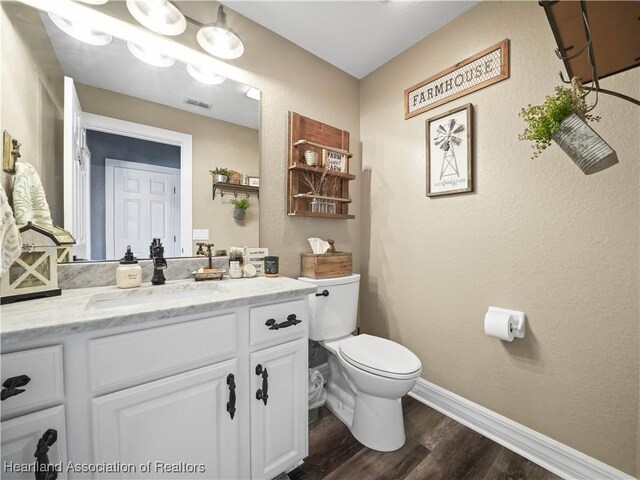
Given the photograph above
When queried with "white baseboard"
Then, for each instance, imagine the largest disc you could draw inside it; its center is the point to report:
(540, 449)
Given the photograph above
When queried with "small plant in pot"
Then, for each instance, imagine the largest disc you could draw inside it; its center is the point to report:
(240, 208)
(220, 175)
(563, 118)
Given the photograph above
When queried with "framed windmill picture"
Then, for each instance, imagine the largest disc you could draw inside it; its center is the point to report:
(450, 152)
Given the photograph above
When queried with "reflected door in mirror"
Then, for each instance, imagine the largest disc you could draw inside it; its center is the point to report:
(142, 204)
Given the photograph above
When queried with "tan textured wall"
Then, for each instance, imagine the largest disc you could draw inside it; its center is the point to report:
(31, 101)
(537, 236)
(215, 143)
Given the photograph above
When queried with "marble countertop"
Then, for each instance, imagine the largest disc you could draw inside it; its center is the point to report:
(86, 309)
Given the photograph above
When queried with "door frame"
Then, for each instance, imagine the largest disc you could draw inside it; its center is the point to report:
(100, 123)
(110, 165)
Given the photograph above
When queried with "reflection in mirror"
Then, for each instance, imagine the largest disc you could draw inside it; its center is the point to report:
(124, 140)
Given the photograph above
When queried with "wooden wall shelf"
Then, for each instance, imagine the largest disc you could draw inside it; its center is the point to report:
(321, 215)
(303, 143)
(309, 168)
(235, 189)
(308, 134)
(614, 27)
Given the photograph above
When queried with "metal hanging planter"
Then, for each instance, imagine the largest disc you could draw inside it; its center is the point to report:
(239, 213)
(584, 146)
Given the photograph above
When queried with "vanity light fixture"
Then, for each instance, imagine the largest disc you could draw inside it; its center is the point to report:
(160, 16)
(253, 93)
(150, 56)
(203, 75)
(81, 32)
(219, 39)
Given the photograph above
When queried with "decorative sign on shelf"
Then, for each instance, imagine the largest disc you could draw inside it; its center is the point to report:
(481, 70)
(334, 160)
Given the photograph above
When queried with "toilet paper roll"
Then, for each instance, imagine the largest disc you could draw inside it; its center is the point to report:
(498, 324)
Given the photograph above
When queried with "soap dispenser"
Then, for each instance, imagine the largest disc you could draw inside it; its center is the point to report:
(128, 273)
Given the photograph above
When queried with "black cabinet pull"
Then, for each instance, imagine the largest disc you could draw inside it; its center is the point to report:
(291, 320)
(262, 393)
(324, 293)
(44, 469)
(231, 404)
(11, 386)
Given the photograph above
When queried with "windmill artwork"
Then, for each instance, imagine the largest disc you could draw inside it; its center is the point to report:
(449, 152)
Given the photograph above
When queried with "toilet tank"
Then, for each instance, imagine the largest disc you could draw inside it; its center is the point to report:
(333, 316)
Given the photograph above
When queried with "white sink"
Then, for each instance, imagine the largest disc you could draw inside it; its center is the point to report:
(153, 294)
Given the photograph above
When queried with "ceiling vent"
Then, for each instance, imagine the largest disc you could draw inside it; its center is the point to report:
(196, 103)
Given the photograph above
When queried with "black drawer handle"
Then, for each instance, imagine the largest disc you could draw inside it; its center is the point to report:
(291, 320)
(262, 393)
(231, 404)
(324, 293)
(11, 386)
(44, 469)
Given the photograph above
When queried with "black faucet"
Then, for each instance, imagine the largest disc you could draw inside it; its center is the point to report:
(156, 252)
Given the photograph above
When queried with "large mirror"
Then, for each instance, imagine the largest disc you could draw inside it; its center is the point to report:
(124, 141)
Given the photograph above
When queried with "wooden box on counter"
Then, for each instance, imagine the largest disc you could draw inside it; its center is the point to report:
(326, 265)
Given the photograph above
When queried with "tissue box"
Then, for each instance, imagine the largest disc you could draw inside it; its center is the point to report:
(326, 265)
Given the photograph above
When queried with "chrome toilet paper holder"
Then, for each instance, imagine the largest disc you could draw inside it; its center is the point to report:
(517, 322)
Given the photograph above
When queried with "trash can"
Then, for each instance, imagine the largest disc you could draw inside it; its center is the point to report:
(317, 394)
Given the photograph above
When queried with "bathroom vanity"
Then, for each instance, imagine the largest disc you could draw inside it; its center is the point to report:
(185, 380)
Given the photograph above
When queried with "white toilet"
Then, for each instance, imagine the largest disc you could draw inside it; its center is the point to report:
(367, 375)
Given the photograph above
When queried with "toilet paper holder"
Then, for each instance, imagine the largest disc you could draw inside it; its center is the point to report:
(517, 323)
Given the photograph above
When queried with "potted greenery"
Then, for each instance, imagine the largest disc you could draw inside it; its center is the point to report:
(220, 175)
(563, 118)
(240, 208)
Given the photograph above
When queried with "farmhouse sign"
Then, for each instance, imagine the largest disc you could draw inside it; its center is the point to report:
(481, 70)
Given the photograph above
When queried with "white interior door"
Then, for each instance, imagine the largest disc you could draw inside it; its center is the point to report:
(77, 179)
(142, 203)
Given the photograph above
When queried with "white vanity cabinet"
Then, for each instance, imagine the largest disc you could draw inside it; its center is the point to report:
(24, 436)
(183, 420)
(33, 437)
(196, 393)
(278, 411)
(189, 395)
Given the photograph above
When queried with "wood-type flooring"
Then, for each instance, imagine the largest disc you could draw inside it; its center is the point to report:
(437, 448)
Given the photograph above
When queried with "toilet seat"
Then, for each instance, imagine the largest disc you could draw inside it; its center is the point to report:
(380, 356)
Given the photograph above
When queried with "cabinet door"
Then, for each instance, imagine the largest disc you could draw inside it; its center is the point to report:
(20, 438)
(279, 424)
(177, 427)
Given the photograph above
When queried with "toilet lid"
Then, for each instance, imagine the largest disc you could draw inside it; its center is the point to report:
(380, 356)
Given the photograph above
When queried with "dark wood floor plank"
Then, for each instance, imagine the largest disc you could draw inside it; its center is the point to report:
(423, 424)
(437, 448)
(330, 445)
(373, 465)
(511, 466)
(460, 453)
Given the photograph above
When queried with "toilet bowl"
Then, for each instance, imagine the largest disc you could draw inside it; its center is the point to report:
(368, 375)
(373, 407)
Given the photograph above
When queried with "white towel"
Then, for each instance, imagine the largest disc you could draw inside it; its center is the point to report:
(11, 245)
(29, 199)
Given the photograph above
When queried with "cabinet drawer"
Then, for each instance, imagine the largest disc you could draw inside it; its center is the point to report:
(45, 387)
(133, 358)
(20, 437)
(270, 324)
